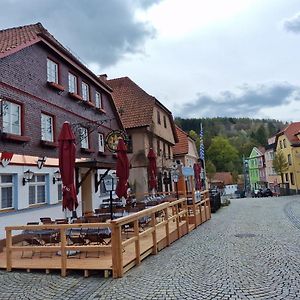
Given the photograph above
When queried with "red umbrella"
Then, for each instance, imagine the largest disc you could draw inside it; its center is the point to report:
(197, 171)
(67, 150)
(122, 170)
(152, 170)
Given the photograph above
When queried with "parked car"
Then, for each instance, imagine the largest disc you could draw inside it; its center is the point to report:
(256, 193)
(266, 193)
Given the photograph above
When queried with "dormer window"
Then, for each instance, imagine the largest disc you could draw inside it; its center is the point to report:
(85, 91)
(52, 71)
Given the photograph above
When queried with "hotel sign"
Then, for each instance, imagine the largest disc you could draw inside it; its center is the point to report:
(112, 138)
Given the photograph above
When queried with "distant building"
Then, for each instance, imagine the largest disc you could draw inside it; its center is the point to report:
(288, 141)
(256, 165)
(271, 176)
(185, 154)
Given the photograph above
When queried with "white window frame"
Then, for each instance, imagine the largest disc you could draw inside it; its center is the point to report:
(9, 115)
(85, 89)
(72, 83)
(98, 100)
(5, 185)
(84, 138)
(33, 183)
(101, 142)
(47, 130)
(52, 71)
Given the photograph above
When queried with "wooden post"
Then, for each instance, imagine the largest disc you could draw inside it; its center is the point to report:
(8, 250)
(167, 226)
(154, 237)
(63, 253)
(137, 242)
(116, 249)
(177, 221)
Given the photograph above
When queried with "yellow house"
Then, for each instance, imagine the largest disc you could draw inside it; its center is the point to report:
(288, 141)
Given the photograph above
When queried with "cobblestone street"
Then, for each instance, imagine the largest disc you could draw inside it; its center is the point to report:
(249, 250)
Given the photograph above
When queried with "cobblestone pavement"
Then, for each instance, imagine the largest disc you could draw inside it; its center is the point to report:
(249, 250)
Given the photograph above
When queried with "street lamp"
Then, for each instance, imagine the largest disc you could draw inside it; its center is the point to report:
(56, 176)
(28, 175)
(110, 182)
(175, 176)
(175, 179)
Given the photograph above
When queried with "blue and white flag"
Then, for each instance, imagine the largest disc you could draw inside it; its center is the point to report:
(201, 150)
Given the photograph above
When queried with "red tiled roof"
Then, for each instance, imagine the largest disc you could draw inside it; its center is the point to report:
(224, 177)
(182, 147)
(18, 38)
(290, 131)
(133, 103)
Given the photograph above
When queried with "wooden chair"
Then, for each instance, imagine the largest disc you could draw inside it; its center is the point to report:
(61, 221)
(30, 240)
(46, 220)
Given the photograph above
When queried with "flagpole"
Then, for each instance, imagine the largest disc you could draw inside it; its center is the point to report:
(201, 153)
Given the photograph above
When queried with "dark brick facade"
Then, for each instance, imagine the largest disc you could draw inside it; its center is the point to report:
(23, 78)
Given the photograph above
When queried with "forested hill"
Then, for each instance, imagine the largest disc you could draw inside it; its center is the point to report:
(241, 133)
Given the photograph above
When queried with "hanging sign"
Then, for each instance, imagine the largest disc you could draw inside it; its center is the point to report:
(187, 171)
(112, 138)
(6, 158)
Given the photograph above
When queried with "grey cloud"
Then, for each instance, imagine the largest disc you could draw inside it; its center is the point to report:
(292, 24)
(95, 30)
(246, 102)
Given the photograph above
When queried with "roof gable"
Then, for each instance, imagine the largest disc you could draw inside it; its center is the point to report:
(255, 153)
(290, 131)
(182, 146)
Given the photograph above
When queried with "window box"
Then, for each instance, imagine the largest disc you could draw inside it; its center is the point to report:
(85, 150)
(75, 96)
(56, 86)
(15, 138)
(88, 103)
(101, 110)
(49, 144)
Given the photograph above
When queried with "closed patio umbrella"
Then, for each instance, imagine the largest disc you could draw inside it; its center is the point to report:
(122, 170)
(197, 171)
(67, 150)
(152, 169)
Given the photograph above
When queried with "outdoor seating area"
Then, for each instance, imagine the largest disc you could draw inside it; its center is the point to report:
(113, 246)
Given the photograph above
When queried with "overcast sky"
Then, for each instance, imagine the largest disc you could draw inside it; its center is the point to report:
(200, 58)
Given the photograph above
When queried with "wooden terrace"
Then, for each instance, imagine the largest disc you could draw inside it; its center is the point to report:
(129, 242)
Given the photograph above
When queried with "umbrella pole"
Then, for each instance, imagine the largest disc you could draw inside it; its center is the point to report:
(111, 205)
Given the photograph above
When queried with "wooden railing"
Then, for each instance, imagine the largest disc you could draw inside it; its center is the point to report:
(62, 246)
(169, 220)
(169, 212)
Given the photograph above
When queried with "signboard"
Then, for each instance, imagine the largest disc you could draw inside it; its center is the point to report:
(112, 138)
(187, 171)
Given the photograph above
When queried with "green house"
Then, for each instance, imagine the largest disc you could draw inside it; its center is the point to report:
(255, 165)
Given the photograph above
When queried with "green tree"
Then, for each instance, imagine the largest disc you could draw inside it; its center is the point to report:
(221, 152)
(261, 135)
(280, 164)
(210, 170)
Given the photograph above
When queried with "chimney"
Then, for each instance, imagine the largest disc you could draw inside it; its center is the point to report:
(103, 77)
